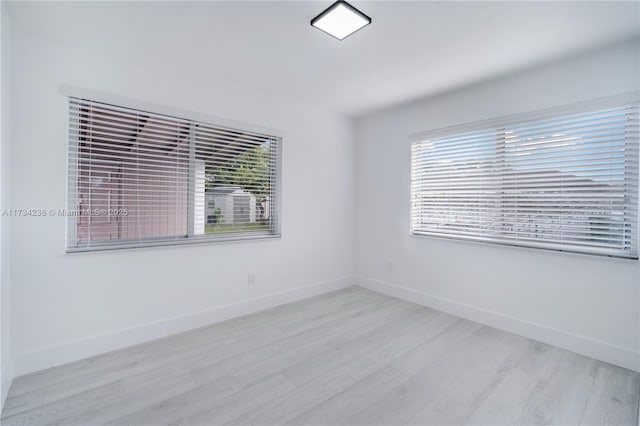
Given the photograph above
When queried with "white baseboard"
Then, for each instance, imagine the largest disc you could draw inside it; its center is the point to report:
(82, 348)
(600, 350)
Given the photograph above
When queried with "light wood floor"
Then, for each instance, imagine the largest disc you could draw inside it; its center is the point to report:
(349, 357)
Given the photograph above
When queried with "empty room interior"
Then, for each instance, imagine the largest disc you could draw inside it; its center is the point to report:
(319, 213)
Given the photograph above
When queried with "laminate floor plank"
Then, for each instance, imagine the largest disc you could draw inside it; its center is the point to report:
(297, 401)
(50, 413)
(349, 357)
(305, 354)
(455, 404)
(452, 359)
(331, 358)
(337, 409)
(182, 405)
(614, 397)
(120, 405)
(220, 333)
(24, 401)
(247, 366)
(220, 347)
(512, 399)
(124, 369)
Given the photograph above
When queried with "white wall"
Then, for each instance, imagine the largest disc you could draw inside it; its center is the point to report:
(68, 306)
(6, 368)
(584, 303)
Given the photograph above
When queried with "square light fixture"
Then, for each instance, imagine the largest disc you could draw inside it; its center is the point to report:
(340, 20)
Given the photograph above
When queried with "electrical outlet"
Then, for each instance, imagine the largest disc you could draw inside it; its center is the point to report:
(251, 279)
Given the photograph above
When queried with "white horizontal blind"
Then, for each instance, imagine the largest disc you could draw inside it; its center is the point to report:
(566, 182)
(138, 178)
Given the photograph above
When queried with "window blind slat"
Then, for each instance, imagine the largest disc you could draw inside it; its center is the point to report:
(137, 178)
(565, 182)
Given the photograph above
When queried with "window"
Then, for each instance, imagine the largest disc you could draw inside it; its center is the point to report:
(559, 179)
(138, 178)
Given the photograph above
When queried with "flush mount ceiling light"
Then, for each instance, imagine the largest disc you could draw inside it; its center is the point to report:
(340, 20)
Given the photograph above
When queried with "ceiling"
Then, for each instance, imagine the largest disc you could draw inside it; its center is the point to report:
(411, 50)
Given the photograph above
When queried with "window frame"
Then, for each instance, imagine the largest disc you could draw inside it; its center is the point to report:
(275, 231)
(628, 99)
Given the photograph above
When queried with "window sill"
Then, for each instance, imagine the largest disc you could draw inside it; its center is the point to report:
(523, 247)
(232, 238)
